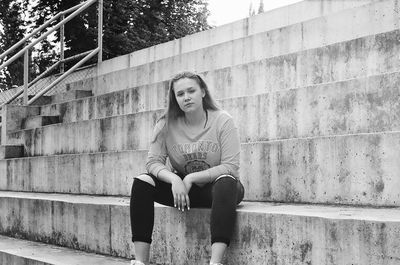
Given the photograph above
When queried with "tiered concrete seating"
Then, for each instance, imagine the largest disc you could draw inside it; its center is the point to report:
(316, 101)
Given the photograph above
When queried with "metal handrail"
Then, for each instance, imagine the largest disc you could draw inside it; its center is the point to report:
(33, 33)
(58, 80)
(89, 54)
(82, 8)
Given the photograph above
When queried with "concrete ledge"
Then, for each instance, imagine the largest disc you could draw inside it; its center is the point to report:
(354, 169)
(17, 251)
(276, 233)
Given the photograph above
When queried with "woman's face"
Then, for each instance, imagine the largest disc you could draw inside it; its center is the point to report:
(189, 95)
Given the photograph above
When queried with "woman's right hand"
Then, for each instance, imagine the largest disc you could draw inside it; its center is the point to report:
(181, 197)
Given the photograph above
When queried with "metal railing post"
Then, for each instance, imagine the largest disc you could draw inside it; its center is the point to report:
(62, 30)
(100, 31)
(26, 77)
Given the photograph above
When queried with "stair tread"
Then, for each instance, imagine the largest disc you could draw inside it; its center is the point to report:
(342, 212)
(54, 254)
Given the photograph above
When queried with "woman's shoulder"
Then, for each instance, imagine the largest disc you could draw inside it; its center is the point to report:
(220, 115)
(221, 118)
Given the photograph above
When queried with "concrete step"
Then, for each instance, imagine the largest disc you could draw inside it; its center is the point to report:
(70, 95)
(39, 121)
(361, 105)
(367, 104)
(276, 233)
(367, 20)
(267, 21)
(11, 151)
(18, 251)
(273, 19)
(357, 169)
(126, 132)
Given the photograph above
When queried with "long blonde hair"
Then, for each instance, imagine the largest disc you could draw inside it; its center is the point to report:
(173, 111)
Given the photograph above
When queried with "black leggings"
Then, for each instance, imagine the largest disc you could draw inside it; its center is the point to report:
(221, 196)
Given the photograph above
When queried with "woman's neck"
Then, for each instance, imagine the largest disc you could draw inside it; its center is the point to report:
(196, 118)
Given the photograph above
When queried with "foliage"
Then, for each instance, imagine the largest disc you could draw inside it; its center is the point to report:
(129, 25)
(12, 29)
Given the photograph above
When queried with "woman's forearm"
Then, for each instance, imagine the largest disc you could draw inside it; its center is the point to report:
(167, 176)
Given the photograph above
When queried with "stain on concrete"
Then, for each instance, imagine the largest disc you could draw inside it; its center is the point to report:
(305, 251)
(379, 186)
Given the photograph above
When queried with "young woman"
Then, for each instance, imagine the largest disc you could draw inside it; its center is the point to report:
(203, 147)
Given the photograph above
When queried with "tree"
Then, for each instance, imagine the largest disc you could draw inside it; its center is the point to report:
(11, 31)
(128, 24)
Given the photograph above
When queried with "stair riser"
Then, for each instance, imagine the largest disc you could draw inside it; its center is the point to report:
(70, 95)
(354, 170)
(280, 53)
(9, 259)
(182, 238)
(109, 134)
(100, 173)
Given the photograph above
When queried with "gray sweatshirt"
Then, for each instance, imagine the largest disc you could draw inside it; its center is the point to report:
(215, 148)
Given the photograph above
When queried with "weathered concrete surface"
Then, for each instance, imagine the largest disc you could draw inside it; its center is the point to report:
(278, 234)
(108, 134)
(39, 121)
(354, 106)
(354, 169)
(368, 104)
(138, 99)
(109, 173)
(22, 252)
(297, 47)
(70, 95)
(13, 117)
(270, 20)
(11, 151)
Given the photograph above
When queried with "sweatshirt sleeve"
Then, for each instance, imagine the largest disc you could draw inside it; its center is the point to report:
(157, 155)
(230, 150)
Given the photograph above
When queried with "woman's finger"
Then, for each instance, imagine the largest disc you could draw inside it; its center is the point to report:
(187, 202)
(182, 202)
(175, 200)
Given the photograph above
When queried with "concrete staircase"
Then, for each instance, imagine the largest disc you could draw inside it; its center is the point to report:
(316, 97)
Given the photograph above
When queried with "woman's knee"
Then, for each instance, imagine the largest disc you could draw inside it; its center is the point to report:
(227, 185)
(227, 181)
(146, 178)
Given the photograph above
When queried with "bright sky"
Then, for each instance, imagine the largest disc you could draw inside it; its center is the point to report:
(226, 11)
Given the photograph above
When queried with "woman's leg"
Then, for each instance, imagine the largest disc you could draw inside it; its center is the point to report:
(146, 189)
(227, 192)
(222, 196)
(142, 215)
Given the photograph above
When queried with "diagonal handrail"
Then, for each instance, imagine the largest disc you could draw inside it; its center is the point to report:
(58, 80)
(76, 10)
(74, 14)
(33, 33)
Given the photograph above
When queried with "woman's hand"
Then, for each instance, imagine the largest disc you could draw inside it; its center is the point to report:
(188, 182)
(180, 193)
